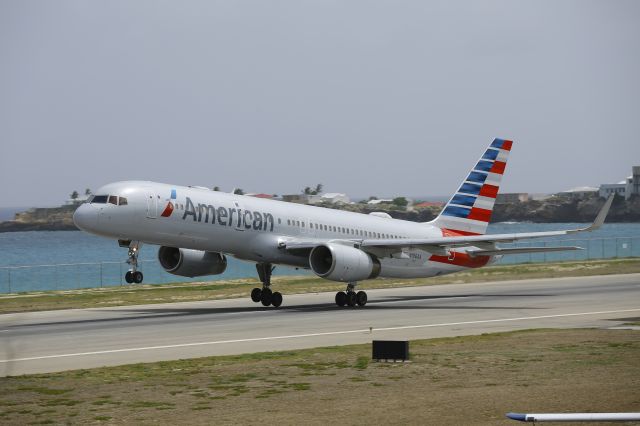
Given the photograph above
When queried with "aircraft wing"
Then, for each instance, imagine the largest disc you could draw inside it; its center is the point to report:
(485, 244)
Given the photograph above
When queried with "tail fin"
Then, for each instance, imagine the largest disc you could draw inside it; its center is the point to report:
(469, 210)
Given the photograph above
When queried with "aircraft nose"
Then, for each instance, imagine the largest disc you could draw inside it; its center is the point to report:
(85, 217)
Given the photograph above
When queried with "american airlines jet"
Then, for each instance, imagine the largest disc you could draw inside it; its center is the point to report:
(196, 229)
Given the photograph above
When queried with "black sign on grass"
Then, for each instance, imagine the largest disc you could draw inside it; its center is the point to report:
(390, 350)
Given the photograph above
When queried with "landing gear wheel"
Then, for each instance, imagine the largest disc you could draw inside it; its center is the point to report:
(267, 297)
(341, 298)
(128, 277)
(361, 298)
(256, 294)
(351, 299)
(137, 277)
(276, 299)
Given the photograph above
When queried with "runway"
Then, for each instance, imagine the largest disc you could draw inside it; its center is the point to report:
(85, 338)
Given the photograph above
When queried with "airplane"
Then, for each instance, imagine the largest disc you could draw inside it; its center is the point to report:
(197, 228)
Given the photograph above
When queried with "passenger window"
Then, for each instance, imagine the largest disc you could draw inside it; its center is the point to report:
(100, 199)
(279, 221)
(297, 223)
(303, 224)
(289, 222)
(122, 201)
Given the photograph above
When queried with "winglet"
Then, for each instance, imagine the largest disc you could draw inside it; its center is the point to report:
(602, 214)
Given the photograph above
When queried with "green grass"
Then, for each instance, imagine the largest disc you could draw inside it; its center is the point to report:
(180, 292)
(482, 376)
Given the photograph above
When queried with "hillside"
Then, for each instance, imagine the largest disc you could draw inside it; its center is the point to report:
(556, 209)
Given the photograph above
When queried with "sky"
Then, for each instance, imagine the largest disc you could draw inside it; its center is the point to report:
(366, 97)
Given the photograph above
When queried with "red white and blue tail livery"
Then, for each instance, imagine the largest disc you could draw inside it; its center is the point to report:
(198, 228)
(468, 212)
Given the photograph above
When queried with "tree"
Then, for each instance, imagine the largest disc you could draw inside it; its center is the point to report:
(74, 195)
(216, 188)
(373, 197)
(87, 192)
(400, 202)
(238, 191)
(308, 191)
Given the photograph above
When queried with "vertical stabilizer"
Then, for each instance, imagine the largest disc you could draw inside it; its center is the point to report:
(468, 212)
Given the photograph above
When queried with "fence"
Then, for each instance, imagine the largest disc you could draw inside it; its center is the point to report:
(71, 276)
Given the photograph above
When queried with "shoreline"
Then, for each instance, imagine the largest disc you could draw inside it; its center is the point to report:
(141, 294)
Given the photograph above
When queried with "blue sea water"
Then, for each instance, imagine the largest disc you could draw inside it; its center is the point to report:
(44, 260)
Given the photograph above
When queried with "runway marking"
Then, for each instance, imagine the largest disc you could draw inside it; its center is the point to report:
(328, 333)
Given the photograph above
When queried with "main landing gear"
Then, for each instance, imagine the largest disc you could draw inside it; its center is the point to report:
(350, 297)
(132, 275)
(264, 295)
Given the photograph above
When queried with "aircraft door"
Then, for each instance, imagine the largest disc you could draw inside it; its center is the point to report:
(152, 206)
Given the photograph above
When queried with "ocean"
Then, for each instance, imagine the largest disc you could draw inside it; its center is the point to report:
(45, 260)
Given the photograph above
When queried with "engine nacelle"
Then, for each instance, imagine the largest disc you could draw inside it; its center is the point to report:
(339, 262)
(191, 263)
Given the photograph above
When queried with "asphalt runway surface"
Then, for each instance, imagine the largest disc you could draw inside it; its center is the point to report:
(50, 341)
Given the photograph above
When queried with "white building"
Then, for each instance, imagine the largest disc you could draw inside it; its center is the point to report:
(329, 197)
(382, 201)
(607, 189)
(579, 192)
(626, 188)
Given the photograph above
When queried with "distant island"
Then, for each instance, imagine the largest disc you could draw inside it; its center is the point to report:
(550, 210)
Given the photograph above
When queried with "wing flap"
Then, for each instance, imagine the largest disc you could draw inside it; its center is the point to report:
(477, 240)
(519, 250)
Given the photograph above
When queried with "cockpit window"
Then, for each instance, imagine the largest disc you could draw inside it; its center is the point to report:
(113, 199)
(122, 201)
(100, 199)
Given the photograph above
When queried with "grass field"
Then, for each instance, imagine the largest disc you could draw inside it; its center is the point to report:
(180, 292)
(462, 380)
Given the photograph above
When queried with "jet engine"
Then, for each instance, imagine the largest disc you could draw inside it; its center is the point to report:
(191, 263)
(338, 262)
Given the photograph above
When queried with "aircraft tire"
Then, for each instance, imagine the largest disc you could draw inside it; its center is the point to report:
(266, 297)
(276, 299)
(256, 294)
(361, 298)
(341, 298)
(351, 299)
(137, 277)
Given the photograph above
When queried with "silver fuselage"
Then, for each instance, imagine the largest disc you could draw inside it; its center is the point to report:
(247, 228)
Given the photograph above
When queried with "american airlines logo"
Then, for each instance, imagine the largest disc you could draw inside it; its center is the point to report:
(169, 209)
(227, 216)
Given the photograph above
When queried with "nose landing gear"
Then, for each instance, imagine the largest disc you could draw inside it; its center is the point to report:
(133, 275)
(264, 295)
